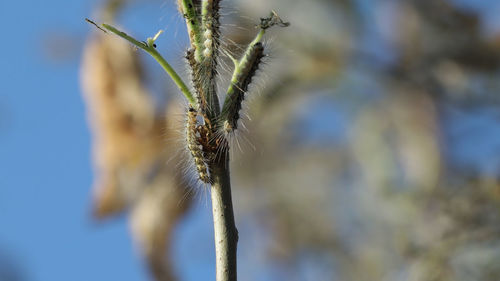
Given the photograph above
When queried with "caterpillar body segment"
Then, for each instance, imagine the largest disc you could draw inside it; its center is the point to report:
(211, 27)
(194, 146)
(197, 80)
(207, 69)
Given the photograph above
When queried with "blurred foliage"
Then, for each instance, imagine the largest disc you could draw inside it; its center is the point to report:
(382, 199)
(347, 168)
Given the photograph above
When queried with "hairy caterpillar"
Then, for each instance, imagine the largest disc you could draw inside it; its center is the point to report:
(194, 145)
(242, 77)
(211, 25)
(208, 66)
(206, 141)
(202, 57)
(197, 83)
(244, 70)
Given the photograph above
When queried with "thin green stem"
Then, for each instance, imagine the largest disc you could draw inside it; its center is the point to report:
(125, 36)
(175, 77)
(150, 49)
(238, 65)
(194, 28)
(225, 232)
(258, 38)
(205, 8)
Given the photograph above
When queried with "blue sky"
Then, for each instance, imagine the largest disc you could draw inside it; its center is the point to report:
(45, 226)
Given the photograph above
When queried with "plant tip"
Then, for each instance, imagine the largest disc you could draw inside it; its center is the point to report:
(273, 19)
(157, 34)
(95, 24)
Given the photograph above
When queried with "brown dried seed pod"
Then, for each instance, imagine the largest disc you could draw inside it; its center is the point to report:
(121, 114)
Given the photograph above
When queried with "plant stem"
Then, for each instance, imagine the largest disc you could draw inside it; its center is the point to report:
(175, 77)
(193, 27)
(158, 57)
(225, 232)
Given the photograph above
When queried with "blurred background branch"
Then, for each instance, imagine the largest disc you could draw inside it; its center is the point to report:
(354, 175)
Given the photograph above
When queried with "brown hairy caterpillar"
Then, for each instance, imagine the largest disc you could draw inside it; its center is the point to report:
(239, 86)
(207, 68)
(211, 25)
(197, 83)
(194, 146)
